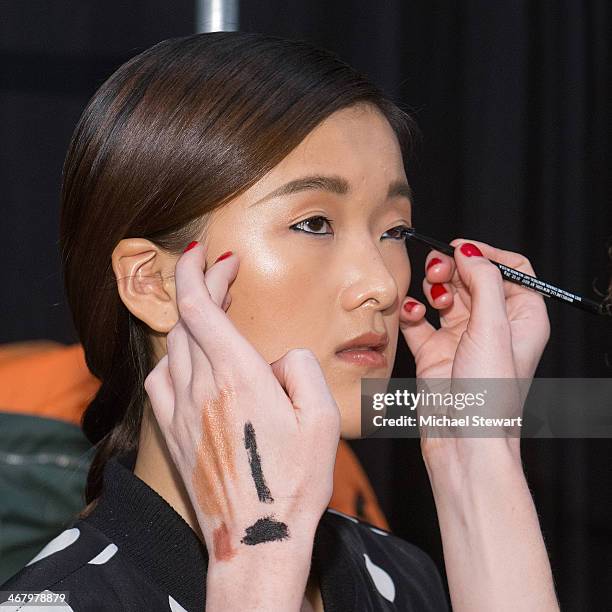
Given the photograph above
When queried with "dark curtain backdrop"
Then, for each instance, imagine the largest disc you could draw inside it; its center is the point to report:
(513, 99)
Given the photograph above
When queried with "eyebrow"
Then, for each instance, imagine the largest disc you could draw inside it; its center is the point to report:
(333, 184)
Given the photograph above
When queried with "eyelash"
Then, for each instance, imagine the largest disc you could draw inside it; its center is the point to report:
(297, 229)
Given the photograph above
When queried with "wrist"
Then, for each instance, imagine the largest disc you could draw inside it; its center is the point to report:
(451, 463)
(270, 575)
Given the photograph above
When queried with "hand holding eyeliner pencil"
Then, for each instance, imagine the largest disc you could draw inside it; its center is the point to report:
(520, 278)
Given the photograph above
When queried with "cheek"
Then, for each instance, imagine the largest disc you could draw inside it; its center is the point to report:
(277, 305)
(402, 273)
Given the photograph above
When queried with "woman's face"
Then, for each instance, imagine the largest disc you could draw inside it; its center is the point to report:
(312, 283)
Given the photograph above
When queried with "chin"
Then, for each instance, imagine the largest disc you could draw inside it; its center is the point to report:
(348, 399)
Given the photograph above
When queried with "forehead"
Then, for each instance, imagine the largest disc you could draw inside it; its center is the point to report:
(357, 143)
(349, 137)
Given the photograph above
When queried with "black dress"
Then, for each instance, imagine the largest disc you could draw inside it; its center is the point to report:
(135, 552)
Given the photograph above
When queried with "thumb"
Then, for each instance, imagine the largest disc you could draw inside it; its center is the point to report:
(484, 282)
(299, 373)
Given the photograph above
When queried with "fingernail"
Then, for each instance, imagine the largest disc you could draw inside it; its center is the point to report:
(437, 289)
(433, 262)
(469, 249)
(223, 256)
(408, 306)
(190, 246)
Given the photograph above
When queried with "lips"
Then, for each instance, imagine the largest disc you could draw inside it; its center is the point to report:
(367, 341)
(365, 350)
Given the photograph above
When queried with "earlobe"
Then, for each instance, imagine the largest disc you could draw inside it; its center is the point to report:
(145, 282)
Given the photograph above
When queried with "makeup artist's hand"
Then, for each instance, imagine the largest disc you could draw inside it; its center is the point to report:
(488, 328)
(255, 443)
(488, 521)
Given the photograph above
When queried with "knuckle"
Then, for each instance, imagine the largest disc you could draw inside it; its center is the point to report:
(301, 353)
(518, 261)
(171, 337)
(301, 356)
(526, 265)
(328, 409)
(491, 272)
(150, 380)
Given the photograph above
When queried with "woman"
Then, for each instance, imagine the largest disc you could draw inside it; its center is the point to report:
(224, 395)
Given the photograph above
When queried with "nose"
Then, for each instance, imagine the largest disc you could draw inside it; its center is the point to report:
(368, 279)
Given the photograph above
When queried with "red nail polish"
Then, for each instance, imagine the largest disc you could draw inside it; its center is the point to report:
(437, 289)
(469, 249)
(190, 246)
(408, 306)
(433, 262)
(223, 256)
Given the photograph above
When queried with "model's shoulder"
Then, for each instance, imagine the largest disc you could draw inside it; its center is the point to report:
(59, 557)
(85, 565)
(64, 568)
(360, 533)
(390, 560)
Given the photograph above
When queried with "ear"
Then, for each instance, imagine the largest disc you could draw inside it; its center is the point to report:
(145, 281)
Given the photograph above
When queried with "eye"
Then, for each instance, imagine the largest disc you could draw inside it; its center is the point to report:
(398, 232)
(312, 221)
(316, 223)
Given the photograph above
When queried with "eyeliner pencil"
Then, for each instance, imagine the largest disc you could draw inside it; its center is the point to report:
(520, 278)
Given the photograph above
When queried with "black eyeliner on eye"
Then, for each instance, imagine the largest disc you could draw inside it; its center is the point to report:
(400, 228)
(310, 219)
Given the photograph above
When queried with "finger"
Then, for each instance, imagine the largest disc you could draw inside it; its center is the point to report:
(415, 328)
(439, 268)
(439, 295)
(508, 258)
(158, 385)
(412, 310)
(179, 359)
(210, 327)
(485, 284)
(219, 276)
(299, 373)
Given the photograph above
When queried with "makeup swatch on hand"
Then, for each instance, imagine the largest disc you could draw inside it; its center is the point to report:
(250, 443)
(265, 529)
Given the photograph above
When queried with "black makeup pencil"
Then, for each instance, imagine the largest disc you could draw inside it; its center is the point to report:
(520, 278)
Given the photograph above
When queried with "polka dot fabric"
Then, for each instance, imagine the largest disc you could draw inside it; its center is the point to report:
(135, 553)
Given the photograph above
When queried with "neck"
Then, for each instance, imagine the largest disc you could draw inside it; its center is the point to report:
(155, 467)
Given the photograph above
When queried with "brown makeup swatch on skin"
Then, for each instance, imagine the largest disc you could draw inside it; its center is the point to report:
(216, 449)
(222, 543)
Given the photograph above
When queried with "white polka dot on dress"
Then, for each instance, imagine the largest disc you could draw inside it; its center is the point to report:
(63, 540)
(175, 606)
(104, 556)
(382, 580)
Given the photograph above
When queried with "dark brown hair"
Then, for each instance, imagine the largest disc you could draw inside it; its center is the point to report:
(175, 133)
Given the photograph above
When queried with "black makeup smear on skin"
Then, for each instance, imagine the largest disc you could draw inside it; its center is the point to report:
(255, 462)
(265, 529)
